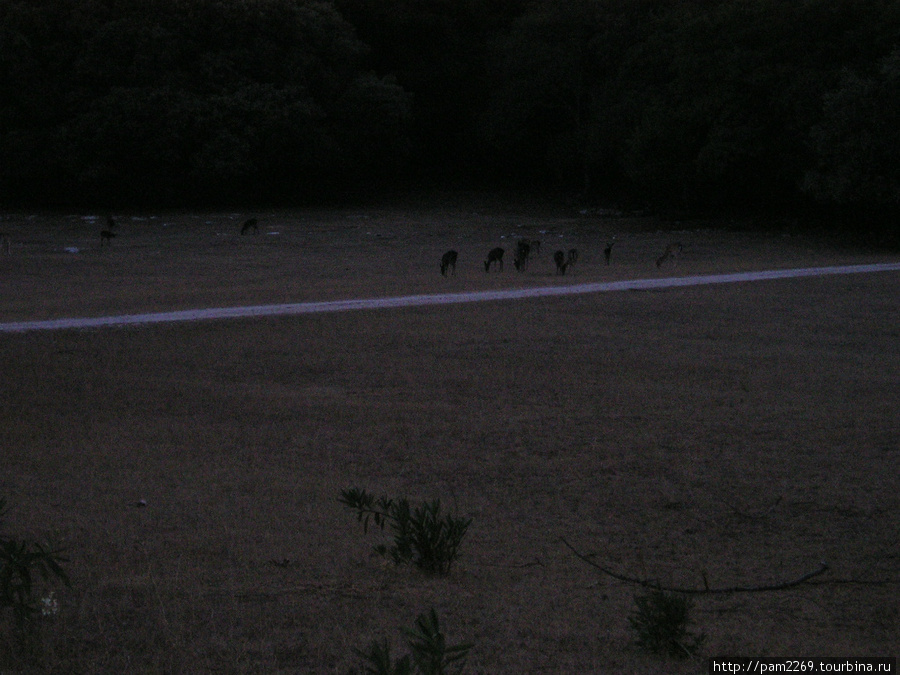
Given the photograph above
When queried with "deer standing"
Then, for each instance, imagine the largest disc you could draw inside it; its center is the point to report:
(561, 263)
(448, 261)
(523, 248)
(494, 256)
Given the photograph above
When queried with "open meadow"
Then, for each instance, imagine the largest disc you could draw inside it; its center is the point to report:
(729, 435)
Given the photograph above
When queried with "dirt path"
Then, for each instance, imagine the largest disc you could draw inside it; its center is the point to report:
(434, 299)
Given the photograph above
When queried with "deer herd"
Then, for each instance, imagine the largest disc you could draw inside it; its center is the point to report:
(526, 249)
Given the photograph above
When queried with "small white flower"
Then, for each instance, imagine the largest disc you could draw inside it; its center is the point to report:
(49, 605)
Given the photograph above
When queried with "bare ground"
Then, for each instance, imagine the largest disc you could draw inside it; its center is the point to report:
(741, 432)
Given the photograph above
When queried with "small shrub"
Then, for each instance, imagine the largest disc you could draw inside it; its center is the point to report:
(661, 623)
(429, 648)
(378, 661)
(429, 652)
(421, 536)
(21, 561)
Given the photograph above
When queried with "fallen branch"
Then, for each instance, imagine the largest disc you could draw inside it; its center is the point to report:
(536, 563)
(695, 591)
(855, 582)
(754, 516)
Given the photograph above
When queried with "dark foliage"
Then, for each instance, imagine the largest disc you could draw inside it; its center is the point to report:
(429, 652)
(26, 566)
(661, 624)
(421, 536)
(165, 100)
(693, 104)
(697, 104)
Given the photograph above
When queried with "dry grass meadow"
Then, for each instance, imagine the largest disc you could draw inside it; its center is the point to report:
(743, 432)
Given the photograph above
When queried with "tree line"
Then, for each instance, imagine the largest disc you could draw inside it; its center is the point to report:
(712, 104)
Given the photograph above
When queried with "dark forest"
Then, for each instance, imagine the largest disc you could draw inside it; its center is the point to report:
(712, 105)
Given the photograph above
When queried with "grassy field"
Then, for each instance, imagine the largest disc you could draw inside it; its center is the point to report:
(744, 433)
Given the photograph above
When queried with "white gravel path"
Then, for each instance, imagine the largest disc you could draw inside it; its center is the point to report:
(435, 299)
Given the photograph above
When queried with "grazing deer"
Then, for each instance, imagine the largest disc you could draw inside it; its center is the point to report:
(607, 252)
(523, 249)
(561, 263)
(672, 251)
(573, 256)
(448, 261)
(249, 225)
(106, 236)
(494, 256)
(523, 252)
(5, 243)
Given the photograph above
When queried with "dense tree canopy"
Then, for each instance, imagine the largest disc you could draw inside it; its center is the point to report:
(156, 100)
(694, 103)
(699, 104)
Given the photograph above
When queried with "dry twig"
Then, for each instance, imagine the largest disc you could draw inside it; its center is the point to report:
(732, 589)
(754, 516)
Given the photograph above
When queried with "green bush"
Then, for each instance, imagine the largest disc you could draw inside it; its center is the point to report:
(22, 561)
(661, 623)
(421, 536)
(429, 652)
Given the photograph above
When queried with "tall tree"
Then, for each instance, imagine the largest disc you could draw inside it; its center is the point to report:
(857, 142)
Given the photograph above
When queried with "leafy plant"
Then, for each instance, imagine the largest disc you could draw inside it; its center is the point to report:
(421, 535)
(429, 648)
(21, 561)
(661, 622)
(378, 660)
(429, 652)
